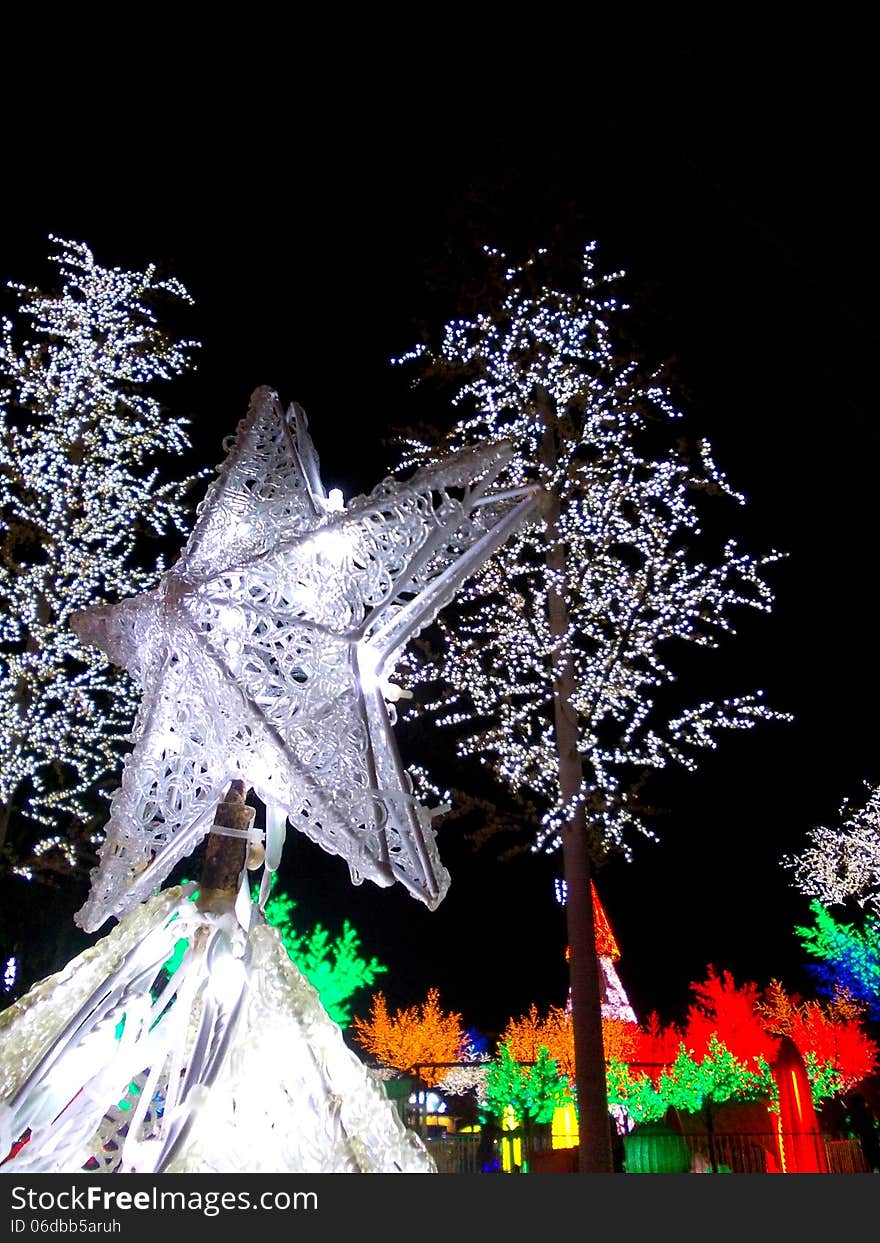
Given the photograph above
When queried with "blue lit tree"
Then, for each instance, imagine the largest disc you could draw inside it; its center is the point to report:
(848, 957)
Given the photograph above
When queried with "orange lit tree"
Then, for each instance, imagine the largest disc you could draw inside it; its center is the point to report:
(416, 1040)
(525, 1036)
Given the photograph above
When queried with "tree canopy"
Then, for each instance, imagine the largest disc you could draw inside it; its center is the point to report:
(82, 436)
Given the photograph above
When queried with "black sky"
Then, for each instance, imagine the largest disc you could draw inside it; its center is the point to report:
(734, 183)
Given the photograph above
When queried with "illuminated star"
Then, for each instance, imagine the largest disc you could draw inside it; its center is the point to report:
(263, 656)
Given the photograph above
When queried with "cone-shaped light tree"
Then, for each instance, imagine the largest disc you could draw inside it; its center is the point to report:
(554, 664)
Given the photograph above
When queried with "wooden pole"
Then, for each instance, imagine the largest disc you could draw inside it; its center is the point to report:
(225, 855)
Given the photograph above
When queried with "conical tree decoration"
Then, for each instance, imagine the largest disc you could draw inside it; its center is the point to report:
(614, 1000)
(231, 1064)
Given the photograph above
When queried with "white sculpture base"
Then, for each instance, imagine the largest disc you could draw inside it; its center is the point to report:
(231, 1066)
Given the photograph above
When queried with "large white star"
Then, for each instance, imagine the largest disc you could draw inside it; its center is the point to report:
(263, 655)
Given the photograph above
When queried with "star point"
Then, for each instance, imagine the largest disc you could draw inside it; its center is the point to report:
(264, 656)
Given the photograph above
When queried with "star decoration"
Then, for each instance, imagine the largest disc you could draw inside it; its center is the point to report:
(263, 656)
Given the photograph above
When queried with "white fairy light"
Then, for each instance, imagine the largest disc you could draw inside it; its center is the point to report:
(469, 1077)
(265, 660)
(542, 371)
(79, 429)
(10, 972)
(842, 862)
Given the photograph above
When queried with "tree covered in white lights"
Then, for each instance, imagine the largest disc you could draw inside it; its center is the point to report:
(841, 863)
(81, 432)
(557, 662)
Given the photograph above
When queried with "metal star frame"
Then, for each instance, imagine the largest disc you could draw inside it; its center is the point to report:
(264, 652)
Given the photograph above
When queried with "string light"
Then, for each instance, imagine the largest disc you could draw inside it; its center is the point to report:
(616, 551)
(842, 862)
(79, 430)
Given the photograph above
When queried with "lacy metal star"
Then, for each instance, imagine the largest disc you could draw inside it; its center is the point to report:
(264, 652)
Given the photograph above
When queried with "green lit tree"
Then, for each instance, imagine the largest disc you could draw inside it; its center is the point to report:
(81, 438)
(533, 1092)
(848, 958)
(555, 662)
(728, 1044)
(334, 965)
(691, 1084)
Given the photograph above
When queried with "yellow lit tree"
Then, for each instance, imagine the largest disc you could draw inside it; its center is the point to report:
(416, 1040)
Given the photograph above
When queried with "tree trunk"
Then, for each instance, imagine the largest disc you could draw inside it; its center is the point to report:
(5, 814)
(594, 1126)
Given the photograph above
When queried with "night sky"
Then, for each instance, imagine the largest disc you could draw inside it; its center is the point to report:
(735, 186)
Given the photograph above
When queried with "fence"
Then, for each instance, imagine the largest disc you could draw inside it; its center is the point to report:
(471, 1153)
(758, 1154)
(736, 1154)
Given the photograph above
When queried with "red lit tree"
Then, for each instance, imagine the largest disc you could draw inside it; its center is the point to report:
(657, 1047)
(729, 1012)
(728, 1043)
(835, 1046)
